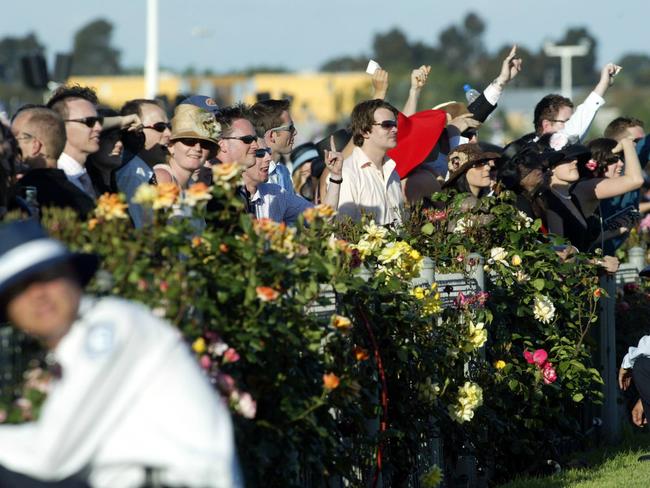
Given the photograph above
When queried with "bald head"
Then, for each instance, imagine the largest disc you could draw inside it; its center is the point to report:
(41, 136)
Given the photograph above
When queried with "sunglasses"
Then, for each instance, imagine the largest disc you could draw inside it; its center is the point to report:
(245, 139)
(88, 121)
(260, 153)
(613, 159)
(387, 124)
(190, 142)
(288, 128)
(159, 126)
(481, 163)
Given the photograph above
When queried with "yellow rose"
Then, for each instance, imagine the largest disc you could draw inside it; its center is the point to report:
(500, 364)
(516, 260)
(198, 346)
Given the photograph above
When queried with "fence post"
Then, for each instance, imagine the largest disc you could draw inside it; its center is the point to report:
(636, 256)
(607, 358)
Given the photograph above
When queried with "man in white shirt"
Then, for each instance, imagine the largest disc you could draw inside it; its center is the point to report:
(636, 365)
(554, 113)
(77, 106)
(129, 401)
(266, 200)
(370, 185)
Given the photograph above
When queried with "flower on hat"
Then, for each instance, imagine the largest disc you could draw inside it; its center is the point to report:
(591, 165)
(558, 141)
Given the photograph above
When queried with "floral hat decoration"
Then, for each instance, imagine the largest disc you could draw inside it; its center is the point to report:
(193, 122)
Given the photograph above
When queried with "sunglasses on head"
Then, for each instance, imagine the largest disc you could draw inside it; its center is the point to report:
(288, 128)
(260, 153)
(190, 142)
(387, 124)
(159, 126)
(88, 121)
(245, 139)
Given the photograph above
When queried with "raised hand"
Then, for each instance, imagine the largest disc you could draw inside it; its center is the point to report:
(464, 122)
(419, 77)
(333, 159)
(510, 67)
(380, 83)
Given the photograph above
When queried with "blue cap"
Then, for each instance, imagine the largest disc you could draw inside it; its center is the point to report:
(467, 88)
(201, 101)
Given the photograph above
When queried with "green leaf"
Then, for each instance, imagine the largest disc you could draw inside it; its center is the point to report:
(427, 229)
(578, 397)
(538, 284)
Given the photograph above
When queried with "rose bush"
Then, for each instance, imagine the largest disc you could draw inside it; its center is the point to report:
(326, 353)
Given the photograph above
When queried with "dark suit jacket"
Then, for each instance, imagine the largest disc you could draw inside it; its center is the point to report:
(54, 190)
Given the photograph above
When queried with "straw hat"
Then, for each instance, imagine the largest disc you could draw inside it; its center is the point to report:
(196, 123)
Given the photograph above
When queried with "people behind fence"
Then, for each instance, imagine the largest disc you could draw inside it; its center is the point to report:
(127, 399)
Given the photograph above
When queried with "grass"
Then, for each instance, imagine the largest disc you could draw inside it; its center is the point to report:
(609, 467)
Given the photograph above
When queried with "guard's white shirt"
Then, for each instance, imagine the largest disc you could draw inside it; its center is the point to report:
(368, 190)
(131, 396)
(641, 350)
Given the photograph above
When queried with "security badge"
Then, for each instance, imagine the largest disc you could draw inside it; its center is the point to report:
(100, 339)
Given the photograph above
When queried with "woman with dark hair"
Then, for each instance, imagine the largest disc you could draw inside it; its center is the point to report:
(102, 165)
(469, 169)
(526, 175)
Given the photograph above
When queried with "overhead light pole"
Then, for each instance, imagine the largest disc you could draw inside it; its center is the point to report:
(566, 55)
(151, 61)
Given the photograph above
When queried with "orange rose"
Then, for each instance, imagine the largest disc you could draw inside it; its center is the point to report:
(360, 353)
(331, 381)
(266, 293)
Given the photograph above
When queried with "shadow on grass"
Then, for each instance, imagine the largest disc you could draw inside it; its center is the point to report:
(607, 466)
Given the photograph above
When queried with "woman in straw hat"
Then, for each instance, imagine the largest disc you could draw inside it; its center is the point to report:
(193, 141)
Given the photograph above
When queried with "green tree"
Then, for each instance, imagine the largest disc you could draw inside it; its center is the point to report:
(93, 53)
(11, 50)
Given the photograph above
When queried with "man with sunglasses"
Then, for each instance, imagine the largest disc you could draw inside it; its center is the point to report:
(238, 141)
(273, 122)
(370, 185)
(40, 134)
(77, 106)
(127, 403)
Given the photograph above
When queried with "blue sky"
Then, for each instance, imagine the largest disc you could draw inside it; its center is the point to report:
(301, 34)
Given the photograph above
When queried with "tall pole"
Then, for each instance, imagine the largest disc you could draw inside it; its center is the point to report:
(151, 62)
(566, 54)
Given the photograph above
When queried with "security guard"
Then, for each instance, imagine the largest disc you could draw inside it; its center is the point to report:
(130, 400)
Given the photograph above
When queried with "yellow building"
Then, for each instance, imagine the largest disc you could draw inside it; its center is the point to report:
(324, 97)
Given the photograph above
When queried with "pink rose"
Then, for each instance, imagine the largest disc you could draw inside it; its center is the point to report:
(549, 374)
(230, 356)
(538, 357)
(591, 165)
(205, 361)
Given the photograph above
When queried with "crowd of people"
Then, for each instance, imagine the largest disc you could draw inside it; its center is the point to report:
(387, 161)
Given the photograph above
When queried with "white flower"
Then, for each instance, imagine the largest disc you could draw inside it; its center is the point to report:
(243, 404)
(499, 254)
(462, 225)
(470, 397)
(558, 141)
(521, 277)
(543, 309)
(476, 336)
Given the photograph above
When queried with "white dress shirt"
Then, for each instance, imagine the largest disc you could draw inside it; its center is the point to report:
(130, 396)
(75, 172)
(580, 121)
(270, 201)
(368, 190)
(641, 350)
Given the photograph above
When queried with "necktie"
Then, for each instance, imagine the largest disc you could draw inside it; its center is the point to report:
(87, 185)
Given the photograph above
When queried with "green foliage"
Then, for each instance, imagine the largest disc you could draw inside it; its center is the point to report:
(92, 52)
(388, 369)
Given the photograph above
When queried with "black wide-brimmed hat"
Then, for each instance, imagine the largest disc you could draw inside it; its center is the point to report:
(26, 250)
